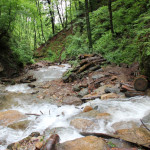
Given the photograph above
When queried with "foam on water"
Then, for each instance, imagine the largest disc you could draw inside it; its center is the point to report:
(51, 73)
(53, 116)
(23, 88)
(121, 110)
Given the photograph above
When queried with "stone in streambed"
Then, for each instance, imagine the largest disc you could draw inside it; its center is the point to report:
(87, 108)
(76, 88)
(21, 125)
(109, 96)
(112, 90)
(83, 92)
(124, 125)
(90, 114)
(139, 136)
(103, 116)
(85, 143)
(97, 76)
(83, 124)
(71, 100)
(10, 116)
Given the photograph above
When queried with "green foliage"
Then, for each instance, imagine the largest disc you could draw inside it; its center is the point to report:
(110, 144)
(131, 21)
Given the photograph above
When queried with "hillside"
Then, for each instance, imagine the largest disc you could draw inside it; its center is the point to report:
(130, 41)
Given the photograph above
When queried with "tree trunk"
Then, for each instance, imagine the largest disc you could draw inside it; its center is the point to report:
(51, 11)
(59, 15)
(110, 16)
(39, 11)
(88, 25)
(66, 13)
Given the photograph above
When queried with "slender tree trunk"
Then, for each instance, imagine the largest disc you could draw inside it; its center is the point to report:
(71, 12)
(39, 11)
(59, 15)
(63, 18)
(66, 13)
(88, 25)
(110, 16)
(91, 5)
(35, 36)
(51, 11)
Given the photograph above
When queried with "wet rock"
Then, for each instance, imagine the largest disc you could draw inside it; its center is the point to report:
(112, 90)
(83, 124)
(10, 116)
(148, 92)
(28, 79)
(124, 125)
(31, 85)
(58, 130)
(101, 90)
(134, 93)
(98, 76)
(76, 88)
(69, 77)
(85, 143)
(120, 145)
(90, 114)
(87, 108)
(136, 135)
(103, 116)
(146, 120)
(109, 96)
(71, 100)
(83, 92)
(28, 143)
(21, 125)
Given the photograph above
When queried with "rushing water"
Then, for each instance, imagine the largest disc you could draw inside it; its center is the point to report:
(53, 116)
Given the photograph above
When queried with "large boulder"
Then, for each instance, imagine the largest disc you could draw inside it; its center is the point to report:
(90, 114)
(20, 125)
(85, 143)
(10, 116)
(140, 136)
(84, 124)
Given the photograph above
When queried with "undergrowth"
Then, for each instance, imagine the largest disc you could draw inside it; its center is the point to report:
(131, 25)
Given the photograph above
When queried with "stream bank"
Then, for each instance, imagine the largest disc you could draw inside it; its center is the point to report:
(57, 107)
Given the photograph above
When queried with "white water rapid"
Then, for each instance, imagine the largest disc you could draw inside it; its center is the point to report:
(132, 109)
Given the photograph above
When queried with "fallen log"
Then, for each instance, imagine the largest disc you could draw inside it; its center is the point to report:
(88, 65)
(51, 142)
(87, 60)
(125, 88)
(32, 114)
(107, 136)
(141, 83)
(83, 56)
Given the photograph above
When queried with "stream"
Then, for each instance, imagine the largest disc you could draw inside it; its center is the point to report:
(18, 97)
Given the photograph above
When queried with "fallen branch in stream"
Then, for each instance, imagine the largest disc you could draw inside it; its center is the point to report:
(32, 114)
(41, 112)
(107, 136)
(144, 125)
